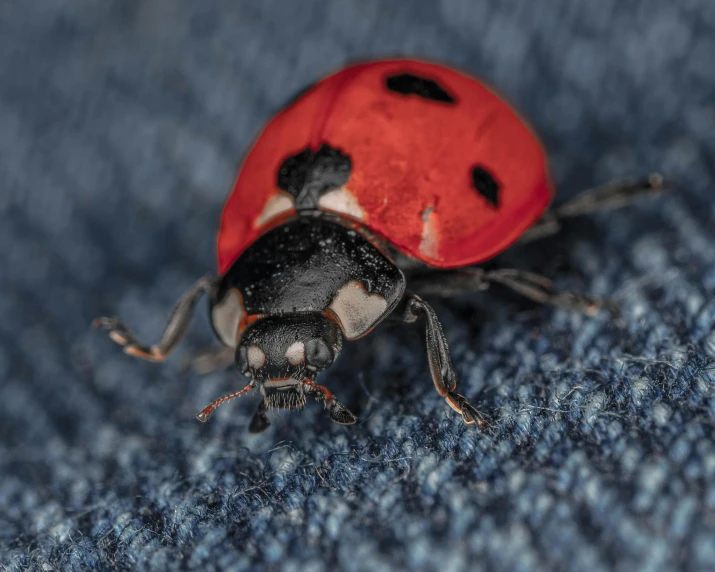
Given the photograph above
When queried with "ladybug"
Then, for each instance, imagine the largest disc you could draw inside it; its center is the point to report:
(383, 175)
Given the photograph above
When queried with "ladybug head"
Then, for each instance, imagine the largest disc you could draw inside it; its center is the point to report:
(284, 353)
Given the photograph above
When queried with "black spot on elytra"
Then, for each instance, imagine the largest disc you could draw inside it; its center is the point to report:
(409, 84)
(485, 184)
(309, 175)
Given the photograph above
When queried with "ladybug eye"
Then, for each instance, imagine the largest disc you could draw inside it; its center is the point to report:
(242, 359)
(318, 353)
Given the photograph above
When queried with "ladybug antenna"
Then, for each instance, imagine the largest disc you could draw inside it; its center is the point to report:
(205, 413)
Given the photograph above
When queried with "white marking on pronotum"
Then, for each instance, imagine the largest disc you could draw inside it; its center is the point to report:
(276, 205)
(295, 353)
(256, 357)
(342, 201)
(226, 317)
(429, 244)
(357, 309)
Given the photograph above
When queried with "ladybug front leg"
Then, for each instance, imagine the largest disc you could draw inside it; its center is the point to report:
(613, 195)
(173, 332)
(337, 411)
(443, 376)
(259, 422)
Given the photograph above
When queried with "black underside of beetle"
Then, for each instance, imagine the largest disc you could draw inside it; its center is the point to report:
(300, 265)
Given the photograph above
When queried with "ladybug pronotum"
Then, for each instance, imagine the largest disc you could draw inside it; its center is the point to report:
(383, 176)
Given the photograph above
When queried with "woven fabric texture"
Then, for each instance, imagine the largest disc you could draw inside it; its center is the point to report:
(122, 124)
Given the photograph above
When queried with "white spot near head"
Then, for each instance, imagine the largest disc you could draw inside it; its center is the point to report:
(342, 201)
(277, 204)
(357, 309)
(295, 354)
(256, 357)
(226, 317)
(429, 244)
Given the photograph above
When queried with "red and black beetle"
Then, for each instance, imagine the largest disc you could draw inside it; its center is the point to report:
(374, 173)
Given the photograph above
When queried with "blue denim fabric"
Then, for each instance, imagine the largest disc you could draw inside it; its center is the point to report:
(121, 127)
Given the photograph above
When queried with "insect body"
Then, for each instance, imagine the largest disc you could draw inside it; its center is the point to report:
(380, 171)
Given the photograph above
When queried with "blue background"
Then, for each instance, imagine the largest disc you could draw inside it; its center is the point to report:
(121, 127)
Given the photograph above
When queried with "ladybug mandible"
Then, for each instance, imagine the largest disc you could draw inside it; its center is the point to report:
(384, 174)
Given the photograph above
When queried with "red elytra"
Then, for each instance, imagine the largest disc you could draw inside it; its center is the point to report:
(412, 159)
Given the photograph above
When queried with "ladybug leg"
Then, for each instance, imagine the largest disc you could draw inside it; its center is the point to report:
(612, 195)
(443, 376)
(532, 286)
(541, 289)
(338, 412)
(173, 332)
